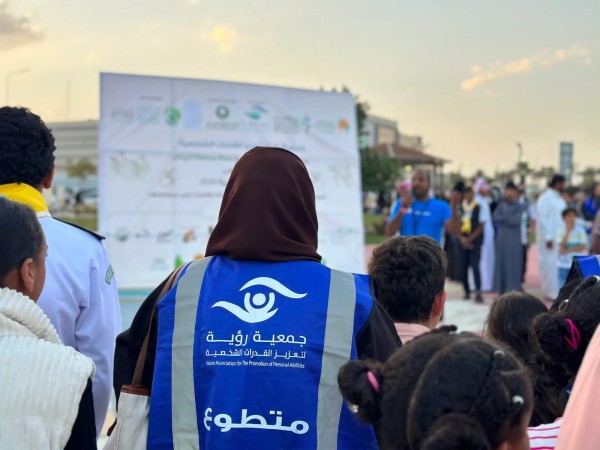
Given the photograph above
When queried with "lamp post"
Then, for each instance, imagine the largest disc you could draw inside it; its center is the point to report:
(7, 78)
(522, 164)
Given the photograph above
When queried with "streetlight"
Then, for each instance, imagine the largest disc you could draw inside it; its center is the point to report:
(7, 81)
(522, 164)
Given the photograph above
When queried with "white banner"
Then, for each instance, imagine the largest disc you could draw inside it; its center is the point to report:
(168, 145)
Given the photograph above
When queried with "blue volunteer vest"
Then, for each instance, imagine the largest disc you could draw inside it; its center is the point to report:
(248, 354)
(589, 265)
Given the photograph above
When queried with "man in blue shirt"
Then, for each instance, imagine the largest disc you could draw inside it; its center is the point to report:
(418, 214)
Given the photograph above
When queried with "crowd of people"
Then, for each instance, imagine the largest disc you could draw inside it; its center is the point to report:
(260, 345)
(487, 232)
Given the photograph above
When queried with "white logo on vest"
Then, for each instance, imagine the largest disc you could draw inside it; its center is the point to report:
(226, 423)
(257, 308)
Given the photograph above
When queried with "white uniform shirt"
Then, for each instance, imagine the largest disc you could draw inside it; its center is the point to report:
(80, 298)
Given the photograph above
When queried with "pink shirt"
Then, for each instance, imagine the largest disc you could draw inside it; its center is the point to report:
(409, 331)
(580, 430)
(544, 437)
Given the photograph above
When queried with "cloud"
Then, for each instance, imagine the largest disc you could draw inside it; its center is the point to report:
(16, 30)
(224, 37)
(480, 77)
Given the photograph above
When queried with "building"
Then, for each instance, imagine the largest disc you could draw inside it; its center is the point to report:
(74, 141)
(382, 135)
(377, 130)
(415, 160)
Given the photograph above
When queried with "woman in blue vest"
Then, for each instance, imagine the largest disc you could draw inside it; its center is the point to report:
(247, 345)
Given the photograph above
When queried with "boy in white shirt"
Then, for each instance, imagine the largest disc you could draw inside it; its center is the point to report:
(572, 241)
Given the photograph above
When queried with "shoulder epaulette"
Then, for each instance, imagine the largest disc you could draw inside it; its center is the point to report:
(96, 235)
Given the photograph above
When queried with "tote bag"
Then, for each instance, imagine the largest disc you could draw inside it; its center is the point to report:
(130, 431)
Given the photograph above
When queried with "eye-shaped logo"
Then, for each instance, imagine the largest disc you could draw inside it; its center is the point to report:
(256, 307)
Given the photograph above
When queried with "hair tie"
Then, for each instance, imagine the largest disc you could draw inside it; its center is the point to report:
(575, 339)
(373, 381)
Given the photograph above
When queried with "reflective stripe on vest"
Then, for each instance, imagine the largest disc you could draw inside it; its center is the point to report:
(338, 345)
(185, 422)
(589, 265)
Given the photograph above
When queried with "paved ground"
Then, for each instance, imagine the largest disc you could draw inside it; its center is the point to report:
(470, 316)
(466, 315)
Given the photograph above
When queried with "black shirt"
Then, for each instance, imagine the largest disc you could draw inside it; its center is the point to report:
(83, 434)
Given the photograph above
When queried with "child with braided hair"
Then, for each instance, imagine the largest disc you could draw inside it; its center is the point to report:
(564, 334)
(443, 391)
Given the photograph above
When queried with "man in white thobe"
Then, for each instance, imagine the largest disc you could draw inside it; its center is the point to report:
(550, 206)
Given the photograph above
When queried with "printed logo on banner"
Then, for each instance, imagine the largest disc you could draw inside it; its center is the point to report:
(148, 115)
(222, 112)
(306, 123)
(324, 126)
(192, 115)
(286, 124)
(221, 117)
(122, 114)
(172, 116)
(256, 111)
(256, 307)
(343, 125)
(122, 234)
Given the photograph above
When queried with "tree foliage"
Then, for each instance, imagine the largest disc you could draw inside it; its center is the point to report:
(544, 173)
(379, 173)
(82, 168)
(589, 177)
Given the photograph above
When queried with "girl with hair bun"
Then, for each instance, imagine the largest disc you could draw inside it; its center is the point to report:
(565, 334)
(443, 391)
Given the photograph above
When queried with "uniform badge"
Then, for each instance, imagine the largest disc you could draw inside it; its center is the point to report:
(109, 275)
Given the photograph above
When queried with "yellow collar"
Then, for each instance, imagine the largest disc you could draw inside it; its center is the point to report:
(23, 193)
(469, 206)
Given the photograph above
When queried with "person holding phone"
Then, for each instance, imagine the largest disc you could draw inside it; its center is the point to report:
(417, 213)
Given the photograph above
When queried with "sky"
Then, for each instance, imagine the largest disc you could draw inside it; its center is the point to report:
(472, 77)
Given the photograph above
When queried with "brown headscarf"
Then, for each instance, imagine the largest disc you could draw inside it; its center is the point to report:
(268, 210)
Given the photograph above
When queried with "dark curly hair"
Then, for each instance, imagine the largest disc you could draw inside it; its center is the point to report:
(26, 147)
(408, 271)
(510, 321)
(21, 236)
(565, 333)
(441, 391)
